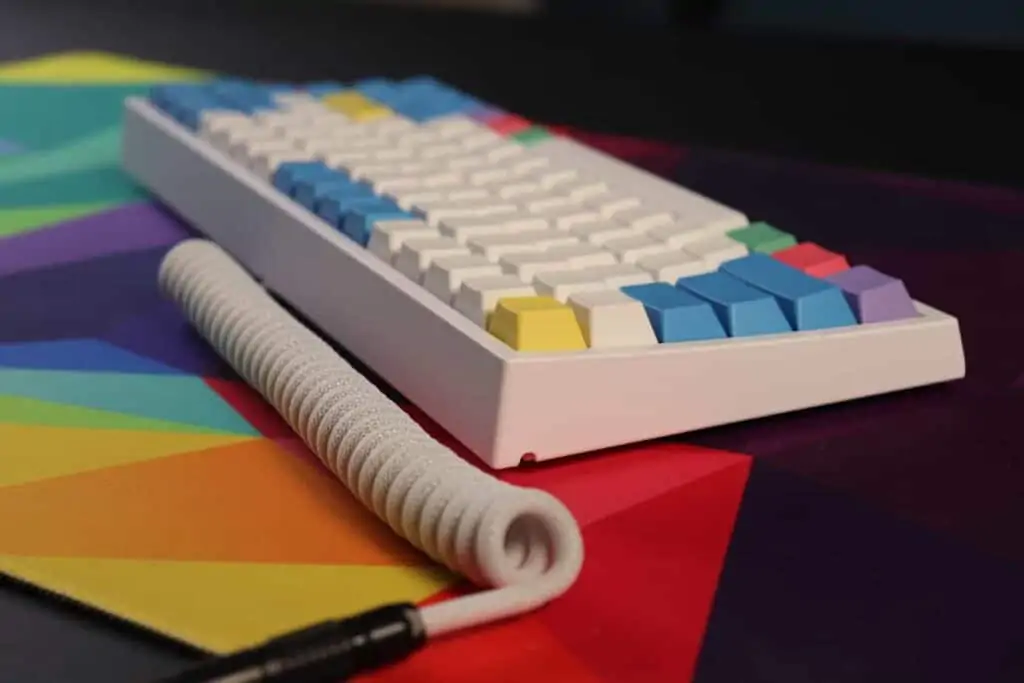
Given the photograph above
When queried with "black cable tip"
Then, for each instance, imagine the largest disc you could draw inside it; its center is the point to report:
(327, 652)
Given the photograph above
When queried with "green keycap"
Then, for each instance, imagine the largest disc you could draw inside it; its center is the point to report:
(763, 238)
(531, 136)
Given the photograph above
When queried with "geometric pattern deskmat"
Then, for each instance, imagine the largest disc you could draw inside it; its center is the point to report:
(876, 540)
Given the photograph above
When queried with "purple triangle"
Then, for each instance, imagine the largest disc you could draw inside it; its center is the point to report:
(78, 354)
(79, 300)
(163, 334)
(130, 228)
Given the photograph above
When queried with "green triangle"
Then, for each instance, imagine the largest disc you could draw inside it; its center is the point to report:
(30, 411)
(24, 219)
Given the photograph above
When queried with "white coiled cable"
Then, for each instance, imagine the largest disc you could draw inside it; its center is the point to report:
(521, 542)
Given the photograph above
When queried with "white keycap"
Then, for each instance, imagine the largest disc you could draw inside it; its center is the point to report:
(387, 237)
(632, 248)
(452, 126)
(679, 234)
(416, 255)
(503, 152)
(481, 139)
(462, 228)
(553, 239)
(561, 284)
(527, 265)
(439, 152)
(487, 176)
(611, 319)
(620, 275)
(718, 250)
(473, 207)
(418, 138)
(445, 275)
(584, 189)
(465, 194)
(394, 154)
(568, 216)
(341, 160)
(528, 164)
(493, 247)
(478, 297)
(467, 163)
(216, 124)
(550, 177)
(518, 190)
(671, 265)
(250, 151)
(612, 203)
(644, 218)
(601, 232)
(235, 140)
(549, 203)
(442, 179)
(582, 255)
(408, 198)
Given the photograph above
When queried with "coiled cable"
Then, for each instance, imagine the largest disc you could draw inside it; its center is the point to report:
(521, 543)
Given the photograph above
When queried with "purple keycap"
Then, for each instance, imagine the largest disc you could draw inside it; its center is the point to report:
(875, 297)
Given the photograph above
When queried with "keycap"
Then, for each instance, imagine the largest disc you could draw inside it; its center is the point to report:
(493, 247)
(874, 296)
(809, 303)
(612, 203)
(668, 266)
(611, 319)
(288, 174)
(743, 310)
(333, 209)
(388, 236)
(358, 223)
(532, 135)
(446, 274)
(536, 323)
(762, 238)
(561, 284)
(581, 255)
(631, 249)
(812, 259)
(416, 255)
(478, 296)
(681, 233)
(602, 232)
(309, 192)
(675, 315)
(526, 265)
(621, 275)
(463, 228)
(644, 218)
(717, 250)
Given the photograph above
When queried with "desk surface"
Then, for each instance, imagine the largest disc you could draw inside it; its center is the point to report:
(885, 517)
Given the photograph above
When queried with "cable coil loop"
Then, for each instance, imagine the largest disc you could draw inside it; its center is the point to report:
(521, 541)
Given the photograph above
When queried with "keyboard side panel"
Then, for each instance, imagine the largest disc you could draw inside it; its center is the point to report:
(444, 364)
(556, 407)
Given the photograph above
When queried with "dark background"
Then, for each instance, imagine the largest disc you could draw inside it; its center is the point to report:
(938, 102)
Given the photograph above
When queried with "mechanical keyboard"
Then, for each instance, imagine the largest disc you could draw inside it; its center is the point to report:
(534, 296)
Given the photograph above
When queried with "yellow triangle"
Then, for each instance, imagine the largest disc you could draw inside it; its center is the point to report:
(92, 68)
(34, 452)
(223, 606)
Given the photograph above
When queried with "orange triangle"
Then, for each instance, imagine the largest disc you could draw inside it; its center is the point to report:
(33, 452)
(223, 606)
(248, 502)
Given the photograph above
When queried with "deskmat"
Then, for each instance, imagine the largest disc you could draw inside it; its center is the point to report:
(876, 540)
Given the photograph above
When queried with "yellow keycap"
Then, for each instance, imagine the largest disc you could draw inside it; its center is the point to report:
(348, 102)
(536, 323)
(371, 113)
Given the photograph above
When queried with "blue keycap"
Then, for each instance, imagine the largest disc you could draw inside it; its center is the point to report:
(335, 209)
(675, 315)
(291, 172)
(359, 222)
(743, 310)
(379, 89)
(309, 191)
(809, 303)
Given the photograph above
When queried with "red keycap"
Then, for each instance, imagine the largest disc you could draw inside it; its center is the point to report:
(812, 259)
(509, 124)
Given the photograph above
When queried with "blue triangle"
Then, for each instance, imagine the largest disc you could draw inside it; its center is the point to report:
(185, 400)
(79, 354)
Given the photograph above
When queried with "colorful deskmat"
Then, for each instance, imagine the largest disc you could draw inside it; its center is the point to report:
(877, 540)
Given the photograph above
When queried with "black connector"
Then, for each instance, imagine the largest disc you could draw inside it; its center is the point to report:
(327, 652)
